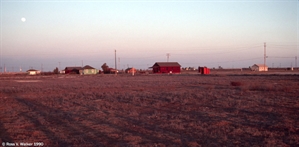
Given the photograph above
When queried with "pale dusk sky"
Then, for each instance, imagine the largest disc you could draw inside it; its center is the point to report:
(195, 33)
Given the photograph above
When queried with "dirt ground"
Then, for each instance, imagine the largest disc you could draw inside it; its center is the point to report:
(150, 110)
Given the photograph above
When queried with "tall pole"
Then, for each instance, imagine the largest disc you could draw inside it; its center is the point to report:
(167, 56)
(296, 61)
(265, 56)
(115, 61)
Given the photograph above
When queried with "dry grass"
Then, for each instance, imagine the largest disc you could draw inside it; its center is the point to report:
(151, 110)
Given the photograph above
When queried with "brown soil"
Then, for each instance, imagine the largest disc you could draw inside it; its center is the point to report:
(150, 110)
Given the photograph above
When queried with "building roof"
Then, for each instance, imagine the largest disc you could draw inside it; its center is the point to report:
(131, 68)
(88, 67)
(176, 64)
(73, 68)
(32, 70)
(260, 65)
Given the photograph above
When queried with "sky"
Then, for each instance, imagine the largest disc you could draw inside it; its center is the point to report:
(230, 34)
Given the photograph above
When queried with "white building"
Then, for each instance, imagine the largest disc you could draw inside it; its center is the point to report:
(33, 72)
(259, 67)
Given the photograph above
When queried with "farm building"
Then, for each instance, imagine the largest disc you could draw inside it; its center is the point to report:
(203, 70)
(166, 67)
(33, 72)
(130, 70)
(259, 67)
(87, 70)
(73, 70)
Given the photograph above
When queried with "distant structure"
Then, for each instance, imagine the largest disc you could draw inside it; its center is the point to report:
(166, 67)
(203, 70)
(73, 70)
(88, 70)
(33, 72)
(259, 67)
(130, 70)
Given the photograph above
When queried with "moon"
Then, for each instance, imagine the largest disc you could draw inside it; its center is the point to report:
(23, 19)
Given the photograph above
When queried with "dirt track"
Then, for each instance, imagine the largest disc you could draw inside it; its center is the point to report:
(150, 110)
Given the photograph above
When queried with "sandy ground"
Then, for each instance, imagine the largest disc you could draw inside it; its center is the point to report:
(150, 110)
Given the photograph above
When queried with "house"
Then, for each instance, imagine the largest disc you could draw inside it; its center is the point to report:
(130, 70)
(62, 72)
(259, 67)
(73, 70)
(33, 72)
(87, 70)
(166, 67)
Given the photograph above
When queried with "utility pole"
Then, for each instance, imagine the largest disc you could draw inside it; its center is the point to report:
(265, 56)
(296, 61)
(115, 61)
(167, 56)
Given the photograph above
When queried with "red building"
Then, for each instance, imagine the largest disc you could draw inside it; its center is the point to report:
(203, 70)
(166, 67)
(73, 70)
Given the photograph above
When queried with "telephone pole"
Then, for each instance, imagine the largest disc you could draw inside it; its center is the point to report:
(167, 56)
(115, 61)
(296, 61)
(265, 56)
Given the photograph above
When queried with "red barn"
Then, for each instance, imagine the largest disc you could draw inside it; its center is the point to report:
(166, 67)
(74, 70)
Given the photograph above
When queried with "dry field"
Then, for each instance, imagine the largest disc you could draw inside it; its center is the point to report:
(150, 110)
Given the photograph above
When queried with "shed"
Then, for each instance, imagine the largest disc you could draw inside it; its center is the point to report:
(33, 72)
(259, 67)
(130, 70)
(88, 70)
(166, 67)
(203, 70)
(73, 70)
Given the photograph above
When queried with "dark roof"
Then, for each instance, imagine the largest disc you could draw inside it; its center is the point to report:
(32, 70)
(88, 67)
(260, 65)
(73, 68)
(131, 68)
(167, 64)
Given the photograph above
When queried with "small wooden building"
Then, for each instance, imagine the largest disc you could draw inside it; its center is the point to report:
(88, 70)
(259, 67)
(131, 70)
(203, 70)
(73, 70)
(33, 72)
(166, 67)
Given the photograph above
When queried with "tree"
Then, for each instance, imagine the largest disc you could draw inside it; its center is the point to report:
(56, 71)
(105, 68)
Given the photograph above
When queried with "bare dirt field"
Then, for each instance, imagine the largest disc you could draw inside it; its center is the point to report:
(150, 110)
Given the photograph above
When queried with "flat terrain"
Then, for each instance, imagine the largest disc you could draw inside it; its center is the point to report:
(150, 110)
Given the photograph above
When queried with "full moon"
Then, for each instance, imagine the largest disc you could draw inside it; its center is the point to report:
(23, 19)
